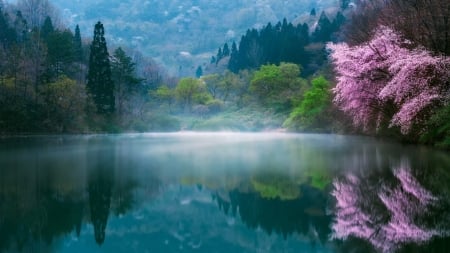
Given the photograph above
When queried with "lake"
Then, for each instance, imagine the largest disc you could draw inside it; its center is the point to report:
(222, 192)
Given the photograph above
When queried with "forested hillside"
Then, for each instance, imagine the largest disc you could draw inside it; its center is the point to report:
(182, 34)
(49, 79)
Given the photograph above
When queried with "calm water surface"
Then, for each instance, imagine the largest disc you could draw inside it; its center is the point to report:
(222, 192)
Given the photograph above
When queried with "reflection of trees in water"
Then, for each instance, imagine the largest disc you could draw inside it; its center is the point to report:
(100, 193)
(42, 202)
(304, 215)
(35, 225)
(390, 211)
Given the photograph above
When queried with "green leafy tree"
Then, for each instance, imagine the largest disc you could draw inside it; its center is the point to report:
(277, 86)
(165, 96)
(64, 105)
(190, 91)
(312, 113)
(99, 83)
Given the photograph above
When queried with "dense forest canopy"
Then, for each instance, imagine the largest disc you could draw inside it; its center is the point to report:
(356, 67)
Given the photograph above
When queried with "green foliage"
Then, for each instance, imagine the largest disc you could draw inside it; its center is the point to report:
(438, 128)
(277, 86)
(164, 93)
(190, 91)
(64, 103)
(312, 112)
(127, 84)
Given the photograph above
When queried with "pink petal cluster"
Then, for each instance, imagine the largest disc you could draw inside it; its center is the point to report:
(404, 203)
(386, 79)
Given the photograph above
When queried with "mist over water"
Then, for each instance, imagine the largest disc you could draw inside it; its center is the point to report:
(221, 192)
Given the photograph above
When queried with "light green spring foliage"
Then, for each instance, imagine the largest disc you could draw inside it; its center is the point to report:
(189, 91)
(278, 86)
(65, 104)
(311, 114)
(164, 93)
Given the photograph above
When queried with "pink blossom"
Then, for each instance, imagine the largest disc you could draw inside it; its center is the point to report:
(384, 72)
(404, 203)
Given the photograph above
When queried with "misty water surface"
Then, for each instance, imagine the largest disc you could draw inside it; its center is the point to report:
(222, 192)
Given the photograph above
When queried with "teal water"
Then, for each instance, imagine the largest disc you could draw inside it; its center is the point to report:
(222, 192)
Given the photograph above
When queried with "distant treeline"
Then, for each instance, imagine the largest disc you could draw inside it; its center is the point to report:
(283, 42)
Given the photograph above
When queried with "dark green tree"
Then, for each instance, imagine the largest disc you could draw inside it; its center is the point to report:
(7, 33)
(99, 83)
(324, 29)
(233, 63)
(199, 72)
(77, 45)
(47, 28)
(124, 77)
(226, 50)
(219, 55)
(100, 186)
(60, 52)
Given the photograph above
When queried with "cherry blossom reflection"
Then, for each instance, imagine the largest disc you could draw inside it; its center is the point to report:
(361, 211)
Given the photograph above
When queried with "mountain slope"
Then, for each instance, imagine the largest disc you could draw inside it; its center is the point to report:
(181, 34)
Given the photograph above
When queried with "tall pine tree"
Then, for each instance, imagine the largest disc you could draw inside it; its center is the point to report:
(77, 45)
(99, 83)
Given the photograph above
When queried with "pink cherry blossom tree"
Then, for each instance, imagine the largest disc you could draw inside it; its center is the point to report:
(388, 79)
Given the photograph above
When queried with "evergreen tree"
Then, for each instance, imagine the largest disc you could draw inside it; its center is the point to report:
(7, 34)
(233, 64)
(226, 50)
(124, 77)
(21, 27)
(219, 55)
(324, 29)
(272, 44)
(77, 45)
(60, 52)
(99, 83)
(199, 72)
(47, 28)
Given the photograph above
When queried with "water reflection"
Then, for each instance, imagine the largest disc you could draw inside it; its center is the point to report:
(222, 193)
(100, 184)
(392, 210)
(303, 215)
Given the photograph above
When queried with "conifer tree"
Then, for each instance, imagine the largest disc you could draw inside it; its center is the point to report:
(77, 45)
(125, 80)
(99, 83)
(47, 28)
(199, 72)
(219, 56)
(226, 50)
(233, 64)
(323, 30)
